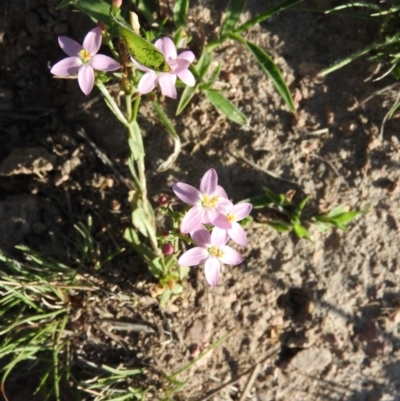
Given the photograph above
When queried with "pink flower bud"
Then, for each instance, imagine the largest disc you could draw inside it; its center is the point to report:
(117, 3)
(164, 201)
(102, 26)
(167, 249)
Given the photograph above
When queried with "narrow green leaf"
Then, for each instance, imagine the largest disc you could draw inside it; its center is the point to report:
(141, 220)
(353, 4)
(344, 218)
(279, 226)
(156, 268)
(97, 10)
(221, 103)
(266, 14)
(148, 8)
(300, 207)
(203, 64)
(186, 97)
(141, 49)
(270, 68)
(165, 297)
(234, 9)
(301, 231)
(258, 201)
(278, 199)
(64, 3)
(180, 12)
(175, 137)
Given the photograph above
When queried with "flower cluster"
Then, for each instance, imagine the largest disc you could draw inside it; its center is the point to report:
(179, 66)
(211, 206)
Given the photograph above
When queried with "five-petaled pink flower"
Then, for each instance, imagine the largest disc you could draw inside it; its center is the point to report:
(212, 250)
(179, 66)
(206, 203)
(227, 221)
(84, 59)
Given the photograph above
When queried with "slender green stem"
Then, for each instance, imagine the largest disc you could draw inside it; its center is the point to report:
(135, 108)
(111, 103)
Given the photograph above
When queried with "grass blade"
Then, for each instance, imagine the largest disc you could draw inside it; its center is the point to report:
(235, 8)
(266, 14)
(180, 12)
(221, 103)
(270, 69)
(186, 97)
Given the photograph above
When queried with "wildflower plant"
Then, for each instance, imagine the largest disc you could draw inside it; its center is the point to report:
(142, 67)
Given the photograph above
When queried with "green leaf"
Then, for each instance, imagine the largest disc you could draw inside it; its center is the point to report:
(180, 12)
(97, 10)
(278, 199)
(186, 97)
(299, 209)
(279, 226)
(132, 237)
(165, 297)
(266, 14)
(222, 104)
(141, 220)
(140, 49)
(301, 231)
(203, 64)
(156, 267)
(258, 201)
(235, 8)
(175, 137)
(270, 69)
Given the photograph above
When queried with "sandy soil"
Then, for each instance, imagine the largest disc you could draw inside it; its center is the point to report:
(314, 320)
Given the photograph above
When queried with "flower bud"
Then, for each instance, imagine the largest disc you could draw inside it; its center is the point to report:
(167, 249)
(163, 201)
(102, 26)
(117, 3)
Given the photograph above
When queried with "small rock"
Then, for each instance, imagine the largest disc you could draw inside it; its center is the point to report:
(311, 359)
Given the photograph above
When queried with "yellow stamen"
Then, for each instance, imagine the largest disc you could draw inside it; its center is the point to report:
(85, 55)
(231, 217)
(215, 251)
(208, 202)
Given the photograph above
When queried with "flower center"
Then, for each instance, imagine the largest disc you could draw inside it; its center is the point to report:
(209, 202)
(215, 251)
(231, 217)
(85, 56)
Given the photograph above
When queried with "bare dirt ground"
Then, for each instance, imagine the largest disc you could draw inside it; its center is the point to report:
(316, 320)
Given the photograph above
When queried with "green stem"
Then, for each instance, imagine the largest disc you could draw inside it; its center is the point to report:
(111, 103)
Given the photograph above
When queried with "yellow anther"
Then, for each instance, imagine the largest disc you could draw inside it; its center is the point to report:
(84, 55)
(208, 202)
(231, 217)
(215, 251)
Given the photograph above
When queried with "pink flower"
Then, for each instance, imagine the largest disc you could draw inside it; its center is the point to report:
(206, 203)
(227, 221)
(179, 66)
(211, 250)
(84, 59)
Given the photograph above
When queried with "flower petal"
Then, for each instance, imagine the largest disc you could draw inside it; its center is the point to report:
(222, 221)
(230, 256)
(178, 66)
(193, 257)
(192, 219)
(212, 270)
(68, 66)
(187, 55)
(147, 83)
(86, 78)
(167, 84)
(201, 237)
(139, 66)
(238, 234)
(224, 205)
(218, 237)
(187, 78)
(208, 184)
(104, 63)
(166, 47)
(92, 41)
(69, 46)
(241, 210)
(221, 192)
(187, 193)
